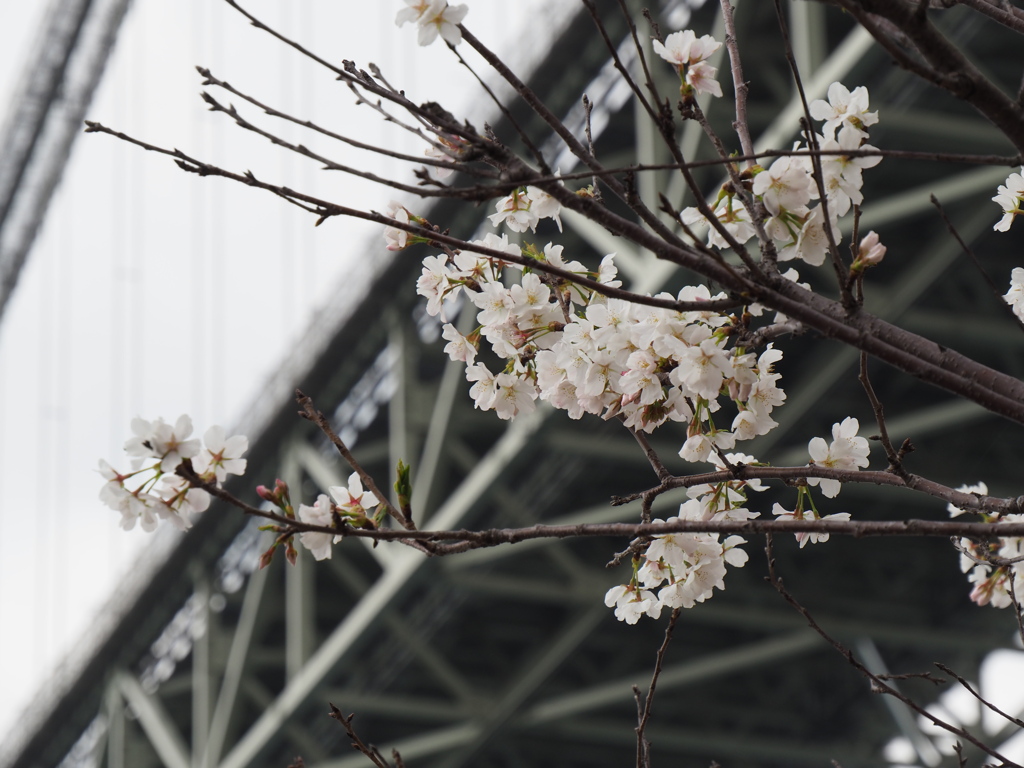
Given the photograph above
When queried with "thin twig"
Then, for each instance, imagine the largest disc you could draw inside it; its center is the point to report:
(357, 743)
(1018, 608)
(331, 165)
(977, 263)
(538, 156)
(812, 142)
(310, 412)
(877, 683)
(1016, 721)
(617, 60)
(570, 141)
(895, 461)
(643, 747)
(652, 456)
(482, 172)
(754, 209)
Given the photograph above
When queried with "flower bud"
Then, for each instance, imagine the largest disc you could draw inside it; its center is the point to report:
(290, 553)
(871, 250)
(267, 556)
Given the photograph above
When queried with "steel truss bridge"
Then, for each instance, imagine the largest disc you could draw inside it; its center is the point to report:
(507, 656)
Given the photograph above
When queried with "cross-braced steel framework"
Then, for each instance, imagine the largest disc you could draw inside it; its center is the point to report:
(506, 656)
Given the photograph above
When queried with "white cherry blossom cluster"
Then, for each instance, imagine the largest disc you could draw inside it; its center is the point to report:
(351, 503)
(985, 562)
(689, 55)
(586, 353)
(155, 492)
(434, 17)
(679, 570)
(787, 187)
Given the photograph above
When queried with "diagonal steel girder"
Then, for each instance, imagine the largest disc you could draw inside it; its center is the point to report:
(710, 666)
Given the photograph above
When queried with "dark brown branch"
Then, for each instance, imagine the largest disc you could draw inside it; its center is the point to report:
(327, 209)
(906, 351)
(467, 539)
(947, 66)
(1004, 13)
(652, 456)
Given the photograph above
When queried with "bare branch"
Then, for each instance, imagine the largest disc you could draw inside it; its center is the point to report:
(877, 683)
(643, 747)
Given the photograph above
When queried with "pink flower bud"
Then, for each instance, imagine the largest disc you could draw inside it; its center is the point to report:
(290, 553)
(266, 557)
(871, 250)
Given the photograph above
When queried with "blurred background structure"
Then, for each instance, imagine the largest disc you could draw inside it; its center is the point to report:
(151, 292)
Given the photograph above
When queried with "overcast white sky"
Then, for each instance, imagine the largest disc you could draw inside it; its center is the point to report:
(155, 293)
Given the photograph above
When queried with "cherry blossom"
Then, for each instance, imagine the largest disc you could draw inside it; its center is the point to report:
(221, 456)
(545, 206)
(701, 77)
(733, 216)
(1010, 195)
(1015, 296)
(150, 493)
(514, 211)
(352, 499)
(846, 452)
(396, 239)
(784, 185)
(320, 545)
(798, 514)
(458, 347)
(434, 17)
(688, 54)
(991, 565)
(684, 48)
(844, 107)
(159, 440)
(631, 603)
(181, 501)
